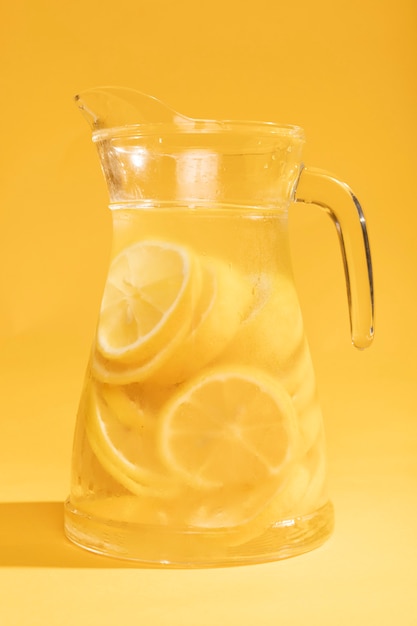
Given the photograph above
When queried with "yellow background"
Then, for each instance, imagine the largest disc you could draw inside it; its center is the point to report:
(345, 71)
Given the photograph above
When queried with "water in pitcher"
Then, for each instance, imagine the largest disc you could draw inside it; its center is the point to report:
(199, 414)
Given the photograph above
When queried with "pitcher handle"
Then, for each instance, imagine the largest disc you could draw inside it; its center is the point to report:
(337, 199)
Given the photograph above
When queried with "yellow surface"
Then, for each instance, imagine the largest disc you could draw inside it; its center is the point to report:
(346, 72)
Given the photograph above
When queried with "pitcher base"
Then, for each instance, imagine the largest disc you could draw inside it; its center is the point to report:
(191, 547)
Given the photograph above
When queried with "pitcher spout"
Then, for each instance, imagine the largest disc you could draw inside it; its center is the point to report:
(114, 107)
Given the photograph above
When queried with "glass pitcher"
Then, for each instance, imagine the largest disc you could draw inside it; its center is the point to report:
(199, 439)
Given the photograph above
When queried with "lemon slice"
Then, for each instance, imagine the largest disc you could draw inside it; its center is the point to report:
(273, 328)
(311, 422)
(123, 408)
(230, 434)
(303, 493)
(131, 508)
(223, 303)
(284, 505)
(316, 492)
(122, 438)
(117, 373)
(298, 377)
(146, 299)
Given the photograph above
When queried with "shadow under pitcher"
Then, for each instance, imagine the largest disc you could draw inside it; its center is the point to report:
(199, 439)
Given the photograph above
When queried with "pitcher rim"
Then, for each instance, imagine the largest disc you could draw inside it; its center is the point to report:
(202, 127)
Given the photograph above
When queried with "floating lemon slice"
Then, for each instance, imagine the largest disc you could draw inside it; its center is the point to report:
(230, 434)
(131, 508)
(223, 303)
(117, 373)
(285, 504)
(122, 438)
(147, 298)
(303, 493)
(123, 408)
(273, 328)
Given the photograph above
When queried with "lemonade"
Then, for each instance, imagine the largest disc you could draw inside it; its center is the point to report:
(199, 436)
